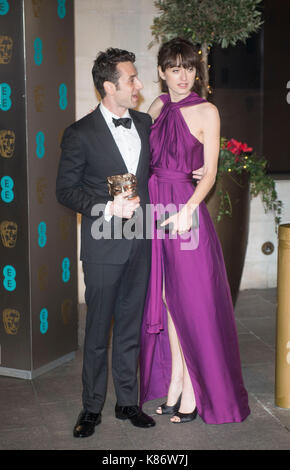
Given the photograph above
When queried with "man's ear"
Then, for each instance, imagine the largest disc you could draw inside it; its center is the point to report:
(109, 88)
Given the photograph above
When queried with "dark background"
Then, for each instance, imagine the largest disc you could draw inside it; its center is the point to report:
(249, 84)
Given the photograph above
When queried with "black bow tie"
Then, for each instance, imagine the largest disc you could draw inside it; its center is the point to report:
(126, 122)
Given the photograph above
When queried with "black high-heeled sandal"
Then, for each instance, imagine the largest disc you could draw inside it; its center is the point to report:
(185, 417)
(170, 410)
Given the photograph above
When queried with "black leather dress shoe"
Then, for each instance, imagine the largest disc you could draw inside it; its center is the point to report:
(135, 415)
(85, 425)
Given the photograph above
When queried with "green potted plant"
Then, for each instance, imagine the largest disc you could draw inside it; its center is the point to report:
(205, 23)
(242, 174)
(237, 158)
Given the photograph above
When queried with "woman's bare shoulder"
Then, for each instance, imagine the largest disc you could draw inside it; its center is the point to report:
(209, 110)
(155, 108)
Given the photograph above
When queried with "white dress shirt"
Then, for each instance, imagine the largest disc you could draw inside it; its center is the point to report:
(128, 143)
(127, 140)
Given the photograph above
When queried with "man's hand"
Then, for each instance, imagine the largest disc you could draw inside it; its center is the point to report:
(198, 174)
(124, 207)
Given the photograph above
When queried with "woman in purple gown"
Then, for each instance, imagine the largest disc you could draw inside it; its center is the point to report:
(189, 345)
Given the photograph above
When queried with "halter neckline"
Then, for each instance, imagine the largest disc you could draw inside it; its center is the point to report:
(190, 100)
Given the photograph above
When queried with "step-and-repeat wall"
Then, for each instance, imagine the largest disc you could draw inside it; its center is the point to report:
(38, 245)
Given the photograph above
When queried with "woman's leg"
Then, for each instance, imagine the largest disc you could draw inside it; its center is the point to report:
(175, 387)
(180, 380)
(188, 402)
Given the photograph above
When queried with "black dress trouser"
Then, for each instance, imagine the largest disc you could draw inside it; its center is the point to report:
(119, 291)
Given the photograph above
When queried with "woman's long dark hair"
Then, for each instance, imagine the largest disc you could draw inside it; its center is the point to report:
(181, 52)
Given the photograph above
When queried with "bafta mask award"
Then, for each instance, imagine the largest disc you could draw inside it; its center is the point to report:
(118, 184)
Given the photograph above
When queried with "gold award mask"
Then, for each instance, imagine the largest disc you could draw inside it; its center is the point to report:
(6, 46)
(7, 143)
(66, 311)
(11, 318)
(8, 231)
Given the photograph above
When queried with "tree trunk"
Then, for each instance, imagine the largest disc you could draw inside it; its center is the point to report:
(204, 55)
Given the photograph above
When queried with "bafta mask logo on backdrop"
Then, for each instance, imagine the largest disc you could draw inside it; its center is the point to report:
(6, 47)
(39, 98)
(60, 135)
(7, 143)
(66, 311)
(8, 231)
(4, 7)
(5, 97)
(61, 51)
(42, 277)
(36, 6)
(41, 186)
(11, 320)
(65, 226)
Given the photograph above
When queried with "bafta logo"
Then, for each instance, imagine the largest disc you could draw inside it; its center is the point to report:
(41, 187)
(60, 135)
(66, 311)
(7, 143)
(36, 5)
(64, 225)
(39, 98)
(8, 231)
(11, 318)
(61, 51)
(42, 277)
(118, 184)
(6, 46)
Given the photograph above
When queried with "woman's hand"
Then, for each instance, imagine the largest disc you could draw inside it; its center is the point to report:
(198, 174)
(182, 220)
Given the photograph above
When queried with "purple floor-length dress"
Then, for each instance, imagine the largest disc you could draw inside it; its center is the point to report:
(196, 285)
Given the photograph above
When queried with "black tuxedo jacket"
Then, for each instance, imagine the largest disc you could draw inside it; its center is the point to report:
(89, 155)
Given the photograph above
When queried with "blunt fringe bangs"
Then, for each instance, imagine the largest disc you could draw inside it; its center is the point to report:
(180, 52)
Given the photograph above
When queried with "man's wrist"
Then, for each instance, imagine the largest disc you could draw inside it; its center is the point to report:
(111, 207)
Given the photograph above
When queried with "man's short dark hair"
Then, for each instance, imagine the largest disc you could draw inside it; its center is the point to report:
(105, 67)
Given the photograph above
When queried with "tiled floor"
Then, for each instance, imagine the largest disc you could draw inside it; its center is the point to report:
(40, 414)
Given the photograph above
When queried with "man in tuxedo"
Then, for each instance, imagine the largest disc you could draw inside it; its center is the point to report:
(111, 140)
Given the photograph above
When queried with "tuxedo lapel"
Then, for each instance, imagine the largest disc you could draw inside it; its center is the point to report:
(105, 137)
(143, 137)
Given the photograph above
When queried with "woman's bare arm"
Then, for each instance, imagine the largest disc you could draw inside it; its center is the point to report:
(210, 127)
(210, 123)
(155, 108)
